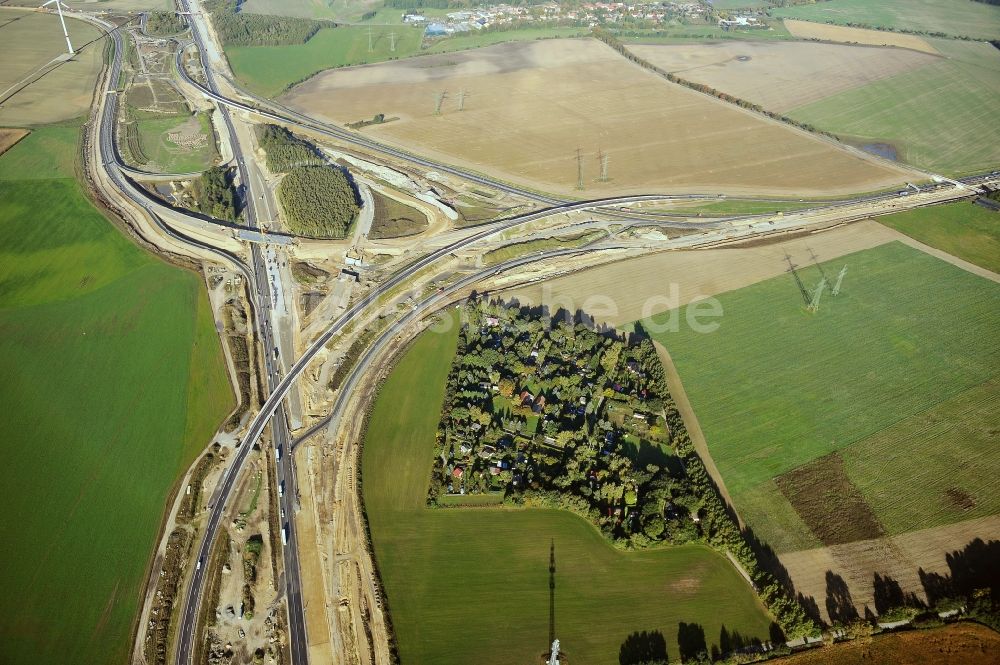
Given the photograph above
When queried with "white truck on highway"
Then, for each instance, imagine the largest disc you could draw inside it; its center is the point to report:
(277, 453)
(284, 534)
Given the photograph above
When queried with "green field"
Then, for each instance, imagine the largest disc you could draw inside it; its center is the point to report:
(959, 434)
(268, 70)
(776, 387)
(113, 381)
(962, 229)
(472, 585)
(943, 116)
(166, 154)
(952, 17)
(682, 33)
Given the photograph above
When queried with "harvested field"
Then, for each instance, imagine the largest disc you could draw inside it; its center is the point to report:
(539, 99)
(776, 387)
(900, 558)
(839, 33)
(10, 137)
(28, 42)
(622, 292)
(956, 644)
(780, 75)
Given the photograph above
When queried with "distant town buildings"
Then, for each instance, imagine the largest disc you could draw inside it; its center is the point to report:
(588, 14)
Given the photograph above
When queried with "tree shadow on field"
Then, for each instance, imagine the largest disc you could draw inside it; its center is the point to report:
(691, 642)
(976, 566)
(839, 603)
(889, 594)
(732, 641)
(645, 648)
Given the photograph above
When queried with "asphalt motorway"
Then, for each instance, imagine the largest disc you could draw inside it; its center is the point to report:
(279, 385)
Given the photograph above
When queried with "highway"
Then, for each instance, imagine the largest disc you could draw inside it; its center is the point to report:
(261, 302)
(262, 293)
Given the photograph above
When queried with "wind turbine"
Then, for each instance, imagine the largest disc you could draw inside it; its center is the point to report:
(59, 5)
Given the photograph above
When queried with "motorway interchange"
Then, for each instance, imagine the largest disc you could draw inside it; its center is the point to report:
(260, 267)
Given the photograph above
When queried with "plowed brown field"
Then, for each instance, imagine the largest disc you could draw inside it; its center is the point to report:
(529, 107)
(958, 644)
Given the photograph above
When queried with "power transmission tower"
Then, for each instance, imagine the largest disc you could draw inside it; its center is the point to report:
(392, 42)
(370, 49)
(461, 100)
(840, 279)
(579, 170)
(814, 303)
(602, 159)
(440, 100)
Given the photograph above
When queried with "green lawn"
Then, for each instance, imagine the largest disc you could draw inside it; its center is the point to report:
(268, 70)
(170, 156)
(776, 386)
(953, 17)
(962, 229)
(113, 381)
(943, 116)
(472, 585)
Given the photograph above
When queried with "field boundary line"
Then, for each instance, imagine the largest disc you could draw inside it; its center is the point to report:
(948, 258)
(676, 388)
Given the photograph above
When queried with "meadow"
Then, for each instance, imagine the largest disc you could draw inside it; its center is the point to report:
(472, 584)
(952, 17)
(178, 144)
(544, 100)
(28, 42)
(269, 70)
(961, 229)
(776, 387)
(114, 381)
(944, 115)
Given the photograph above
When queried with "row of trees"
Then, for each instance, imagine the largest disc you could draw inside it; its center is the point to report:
(214, 194)
(319, 201)
(236, 28)
(614, 43)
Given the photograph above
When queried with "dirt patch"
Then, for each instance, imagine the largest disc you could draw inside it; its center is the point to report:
(828, 502)
(902, 558)
(960, 498)
(525, 109)
(9, 137)
(780, 76)
(839, 33)
(957, 644)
